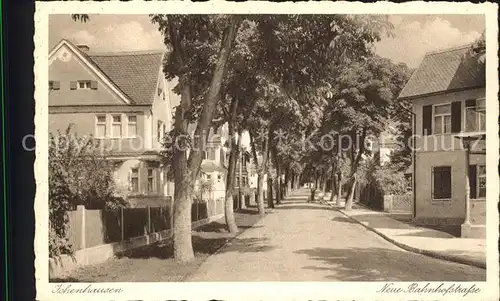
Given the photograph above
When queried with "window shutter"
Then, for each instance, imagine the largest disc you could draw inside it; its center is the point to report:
(72, 85)
(456, 117)
(56, 85)
(472, 181)
(470, 103)
(427, 120)
(93, 85)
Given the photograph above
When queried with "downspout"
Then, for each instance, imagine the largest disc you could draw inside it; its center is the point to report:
(413, 176)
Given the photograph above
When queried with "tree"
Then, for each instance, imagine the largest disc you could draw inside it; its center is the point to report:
(362, 102)
(200, 47)
(79, 174)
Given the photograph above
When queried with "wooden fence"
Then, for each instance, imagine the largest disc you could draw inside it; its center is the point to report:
(89, 228)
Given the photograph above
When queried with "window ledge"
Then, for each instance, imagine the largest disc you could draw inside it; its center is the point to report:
(440, 201)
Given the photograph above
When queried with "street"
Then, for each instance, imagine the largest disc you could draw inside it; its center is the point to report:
(309, 242)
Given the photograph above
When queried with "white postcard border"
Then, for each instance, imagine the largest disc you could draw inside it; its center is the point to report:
(254, 290)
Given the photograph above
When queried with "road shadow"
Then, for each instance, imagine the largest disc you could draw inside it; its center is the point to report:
(303, 206)
(428, 233)
(377, 221)
(379, 264)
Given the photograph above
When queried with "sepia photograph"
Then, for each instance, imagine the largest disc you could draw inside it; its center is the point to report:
(298, 147)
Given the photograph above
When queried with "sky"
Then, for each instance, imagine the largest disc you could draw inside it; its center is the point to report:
(414, 34)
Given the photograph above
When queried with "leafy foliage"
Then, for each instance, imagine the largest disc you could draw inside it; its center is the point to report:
(78, 175)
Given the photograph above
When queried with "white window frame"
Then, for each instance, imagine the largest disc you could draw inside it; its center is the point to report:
(136, 177)
(115, 123)
(478, 120)
(129, 123)
(97, 123)
(477, 180)
(441, 117)
(153, 180)
(160, 130)
(87, 84)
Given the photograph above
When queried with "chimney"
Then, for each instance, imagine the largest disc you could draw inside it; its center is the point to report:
(83, 47)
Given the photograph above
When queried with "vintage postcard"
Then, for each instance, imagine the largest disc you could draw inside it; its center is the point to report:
(266, 151)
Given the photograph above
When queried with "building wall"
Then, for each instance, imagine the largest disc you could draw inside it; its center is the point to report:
(66, 67)
(162, 109)
(442, 141)
(443, 150)
(430, 211)
(83, 121)
(123, 173)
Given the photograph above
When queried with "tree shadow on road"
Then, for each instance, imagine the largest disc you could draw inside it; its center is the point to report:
(379, 264)
(303, 206)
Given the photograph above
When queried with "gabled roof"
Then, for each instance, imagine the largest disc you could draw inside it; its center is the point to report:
(446, 70)
(134, 75)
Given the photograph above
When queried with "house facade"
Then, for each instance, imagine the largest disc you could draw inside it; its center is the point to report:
(124, 100)
(448, 95)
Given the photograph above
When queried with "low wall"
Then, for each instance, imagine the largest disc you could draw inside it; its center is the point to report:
(58, 267)
(398, 203)
(478, 212)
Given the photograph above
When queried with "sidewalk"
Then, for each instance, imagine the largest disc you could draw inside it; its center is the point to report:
(420, 240)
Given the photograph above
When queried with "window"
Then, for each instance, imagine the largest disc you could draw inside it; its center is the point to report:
(134, 180)
(151, 180)
(84, 84)
(481, 181)
(132, 126)
(160, 131)
(237, 183)
(219, 177)
(116, 126)
(442, 119)
(441, 183)
(477, 181)
(54, 85)
(100, 126)
(204, 155)
(475, 115)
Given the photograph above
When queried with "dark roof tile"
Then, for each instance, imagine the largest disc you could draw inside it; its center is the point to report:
(441, 71)
(134, 73)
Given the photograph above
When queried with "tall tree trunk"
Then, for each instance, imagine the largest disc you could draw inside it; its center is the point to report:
(352, 189)
(324, 178)
(339, 187)
(261, 170)
(288, 181)
(334, 182)
(270, 202)
(233, 144)
(354, 169)
(241, 197)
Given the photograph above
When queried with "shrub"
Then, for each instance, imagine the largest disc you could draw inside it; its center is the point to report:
(78, 175)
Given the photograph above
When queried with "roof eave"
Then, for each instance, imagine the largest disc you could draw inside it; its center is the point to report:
(412, 97)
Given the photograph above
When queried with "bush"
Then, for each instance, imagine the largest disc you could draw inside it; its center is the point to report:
(391, 180)
(78, 175)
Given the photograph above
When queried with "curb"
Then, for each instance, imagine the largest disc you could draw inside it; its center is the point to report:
(433, 254)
